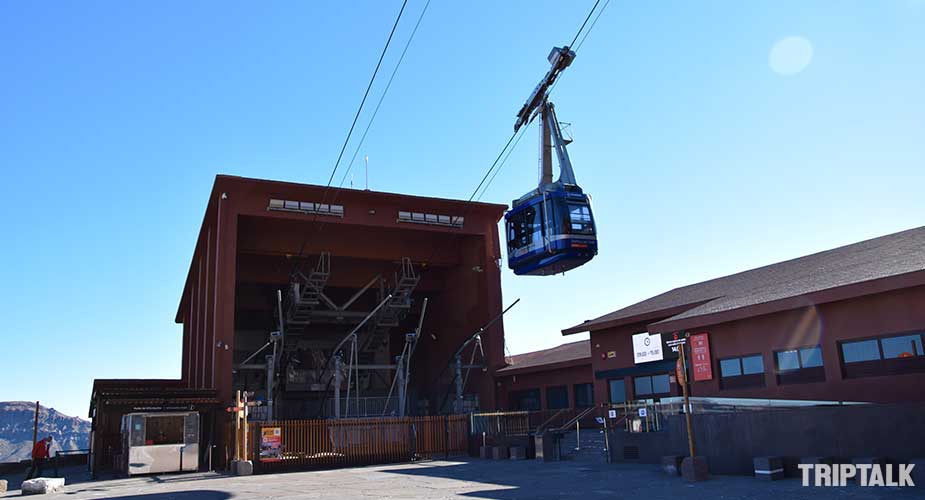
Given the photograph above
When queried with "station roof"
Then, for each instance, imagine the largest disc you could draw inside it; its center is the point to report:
(877, 265)
(571, 354)
(147, 392)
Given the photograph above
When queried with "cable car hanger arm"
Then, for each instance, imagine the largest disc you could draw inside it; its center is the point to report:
(560, 58)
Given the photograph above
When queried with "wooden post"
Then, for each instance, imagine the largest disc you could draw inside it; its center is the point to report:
(237, 425)
(687, 402)
(35, 427)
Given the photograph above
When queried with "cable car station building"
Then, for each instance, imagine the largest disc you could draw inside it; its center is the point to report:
(846, 324)
(332, 262)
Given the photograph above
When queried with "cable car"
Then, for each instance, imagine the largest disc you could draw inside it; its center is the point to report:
(551, 229)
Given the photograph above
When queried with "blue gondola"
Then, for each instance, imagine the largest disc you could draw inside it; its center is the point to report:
(551, 229)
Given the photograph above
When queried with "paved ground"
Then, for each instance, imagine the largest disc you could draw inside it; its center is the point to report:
(467, 479)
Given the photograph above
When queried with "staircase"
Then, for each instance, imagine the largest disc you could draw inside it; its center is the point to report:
(395, 309)
(305, 293)
(590, 448)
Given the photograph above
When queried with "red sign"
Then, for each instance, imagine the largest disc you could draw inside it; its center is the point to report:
(700, 357)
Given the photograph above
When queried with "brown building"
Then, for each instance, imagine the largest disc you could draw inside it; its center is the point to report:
(842, 325)
(551, 379)
(341, 261)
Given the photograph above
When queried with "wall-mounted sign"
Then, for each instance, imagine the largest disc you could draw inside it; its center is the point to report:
(611, 413)
(700, 357)
(611, 354)
(647, 348)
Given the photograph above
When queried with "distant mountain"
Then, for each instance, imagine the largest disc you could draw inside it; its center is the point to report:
(16, 419)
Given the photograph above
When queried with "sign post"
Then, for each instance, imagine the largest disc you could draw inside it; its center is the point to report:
(239, 415)
(687, 401)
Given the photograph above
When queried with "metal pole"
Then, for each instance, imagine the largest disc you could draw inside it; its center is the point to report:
(687, 401)
(337, 381)
(271, 364)
(459, 385)
(545, 146)
(244, 435)
(577, 436)
(400, 375)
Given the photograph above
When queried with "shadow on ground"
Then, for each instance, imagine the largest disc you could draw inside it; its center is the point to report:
(177, 495)
(506, 480)
(527, 479)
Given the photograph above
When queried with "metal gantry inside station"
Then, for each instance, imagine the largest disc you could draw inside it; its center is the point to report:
(330, 375)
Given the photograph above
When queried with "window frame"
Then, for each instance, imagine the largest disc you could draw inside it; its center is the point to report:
(518, 397)
(742, 380)
(652, 394)
(557, 388)
(801, 374)
(590, 389)
(610, 390)
(882, 366)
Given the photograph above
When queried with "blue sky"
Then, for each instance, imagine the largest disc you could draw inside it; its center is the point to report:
(701, 159)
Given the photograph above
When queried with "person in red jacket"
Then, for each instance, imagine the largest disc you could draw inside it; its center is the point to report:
(39, 457)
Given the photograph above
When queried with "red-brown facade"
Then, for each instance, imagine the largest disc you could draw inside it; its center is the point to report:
(245, 250)
(826, 325)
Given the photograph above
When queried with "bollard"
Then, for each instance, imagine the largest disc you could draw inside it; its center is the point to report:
(769, 468)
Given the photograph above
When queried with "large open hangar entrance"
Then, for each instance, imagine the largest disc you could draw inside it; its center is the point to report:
(331, 262)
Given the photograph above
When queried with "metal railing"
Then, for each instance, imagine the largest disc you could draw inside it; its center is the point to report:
(360, 441)
(500, 423)
(56, 461)
(650, 416)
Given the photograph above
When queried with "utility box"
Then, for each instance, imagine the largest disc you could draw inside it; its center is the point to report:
(547, 446)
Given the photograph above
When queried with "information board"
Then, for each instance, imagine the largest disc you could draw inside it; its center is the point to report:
(271, 444)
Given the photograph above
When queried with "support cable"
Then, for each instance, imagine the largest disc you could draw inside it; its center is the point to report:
(356, 117)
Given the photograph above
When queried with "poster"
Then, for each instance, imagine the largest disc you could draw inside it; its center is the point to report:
(700, 357)
(271, 444)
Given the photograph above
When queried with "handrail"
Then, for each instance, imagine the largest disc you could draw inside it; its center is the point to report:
(540, 428)
(578, 417)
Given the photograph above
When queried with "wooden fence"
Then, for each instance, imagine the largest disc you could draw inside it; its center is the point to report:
(360, 441)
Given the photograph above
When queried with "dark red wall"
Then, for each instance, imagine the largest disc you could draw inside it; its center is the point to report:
(568, 376)
(825, 324)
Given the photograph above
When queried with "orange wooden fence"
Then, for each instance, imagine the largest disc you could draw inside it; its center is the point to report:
(362, 441)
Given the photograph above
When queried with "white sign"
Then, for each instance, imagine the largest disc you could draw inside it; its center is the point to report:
(643, 412)
(612, 413)
(647, 348)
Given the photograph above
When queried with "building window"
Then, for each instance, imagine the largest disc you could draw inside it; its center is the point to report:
(584, 395)
(528, 399)
(556, 397)
(434, 219)
(745, 371)
(886, 355)
(800, 365)
(306, 207)
(652, 385)
(164, 430)
(617, 390)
